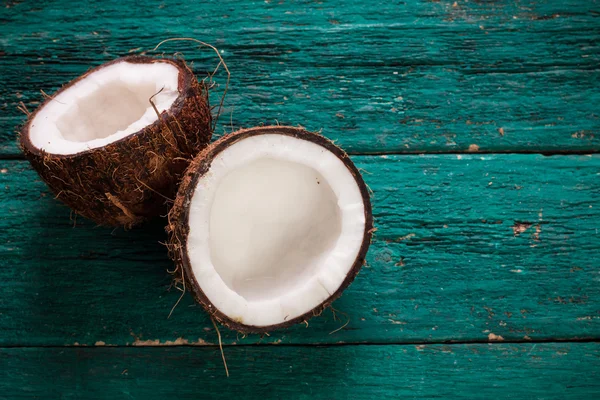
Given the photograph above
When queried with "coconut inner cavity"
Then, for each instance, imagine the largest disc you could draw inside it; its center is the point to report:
(275, 226)
(106, 105)
(272, 224)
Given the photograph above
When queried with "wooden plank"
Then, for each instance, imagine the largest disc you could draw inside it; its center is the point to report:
(468, 248)
(412, 77)
(525, 371)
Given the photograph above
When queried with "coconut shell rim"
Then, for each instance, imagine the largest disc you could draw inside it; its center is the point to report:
(185, 82)
(201, 165)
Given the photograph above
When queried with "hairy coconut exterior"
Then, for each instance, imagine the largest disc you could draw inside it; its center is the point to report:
(178, 227)
(130, 180)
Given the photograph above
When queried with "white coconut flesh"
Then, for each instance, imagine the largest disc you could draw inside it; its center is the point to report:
(109, 104)
(275, 227)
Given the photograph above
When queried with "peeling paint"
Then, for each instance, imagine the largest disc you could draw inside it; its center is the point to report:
(177, 342)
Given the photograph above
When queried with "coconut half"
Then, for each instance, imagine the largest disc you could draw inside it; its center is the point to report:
(101, 146)
(269, 226)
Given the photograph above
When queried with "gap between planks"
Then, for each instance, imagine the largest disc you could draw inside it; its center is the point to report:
(339, 344)
(18, 156)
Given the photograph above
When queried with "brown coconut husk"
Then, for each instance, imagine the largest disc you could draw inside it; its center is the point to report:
(178, 226)
(131, 179)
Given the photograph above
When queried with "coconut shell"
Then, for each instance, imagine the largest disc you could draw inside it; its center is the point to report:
(131, 179)
(178, 227)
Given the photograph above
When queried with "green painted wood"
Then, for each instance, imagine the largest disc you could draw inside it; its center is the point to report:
(526, 371)
(383, 77)
(468, 248)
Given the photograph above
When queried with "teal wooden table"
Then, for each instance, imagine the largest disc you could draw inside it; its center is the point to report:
(477, 127)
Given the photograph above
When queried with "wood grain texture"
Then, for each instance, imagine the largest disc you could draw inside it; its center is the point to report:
(377, 77)
(468, 248)
(526, 371)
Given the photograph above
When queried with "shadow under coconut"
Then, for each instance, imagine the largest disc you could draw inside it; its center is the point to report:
(90, 284)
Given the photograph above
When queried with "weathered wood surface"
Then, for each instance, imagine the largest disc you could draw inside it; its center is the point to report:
(468, 247)
(558, 371)
(378, 77)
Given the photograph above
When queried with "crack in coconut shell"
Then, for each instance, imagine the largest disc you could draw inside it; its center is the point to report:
(178, 226)
(127, 181)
